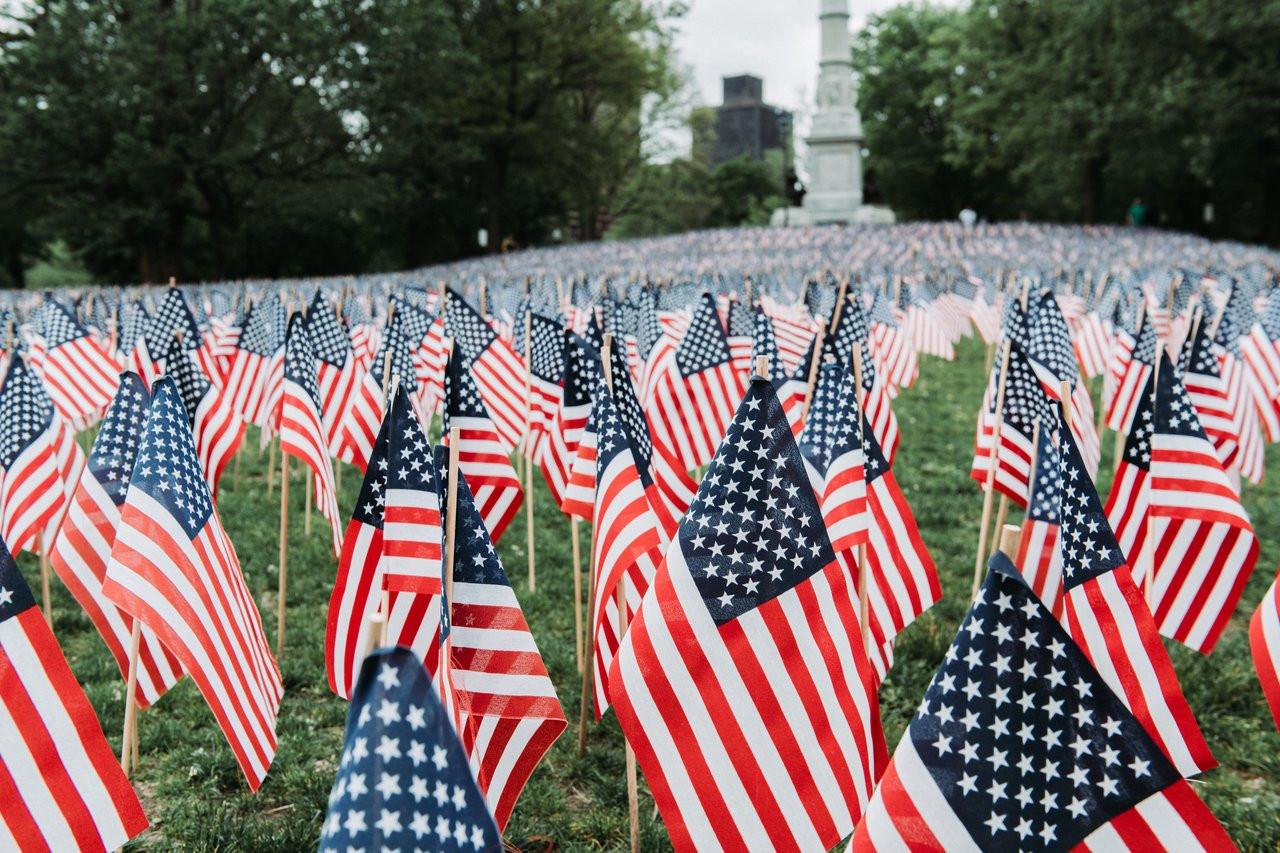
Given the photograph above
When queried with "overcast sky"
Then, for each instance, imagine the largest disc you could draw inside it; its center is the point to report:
(776, 40)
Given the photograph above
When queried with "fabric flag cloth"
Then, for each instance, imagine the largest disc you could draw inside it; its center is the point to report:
(1264, 643)
(1132, 359)
(1109, 619)
(1038, 556)
(742, 683)
(694, 391)
(557, 451)
(482, 455)
(357, 589)
(1173, 508)
(545, 361)
(173, 567)
(31, 491)
(627, 544)
(215, 426)
(790, 384)
(1232, 326)
(412, 537)
(336, 375)
(849, 333)
(1052, 357)
(83, 547)
(172, 320)
(252, 376)
(1198, 365)
(79, 374)
(831, 446)
(896, 358)
(1025, 404)
(511, 711)
(301, 425)
(497, 369)
(403, 780)
(359, 427)
(1021, 743)
(61, 784)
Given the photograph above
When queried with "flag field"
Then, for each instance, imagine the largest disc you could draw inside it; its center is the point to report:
(196, 799)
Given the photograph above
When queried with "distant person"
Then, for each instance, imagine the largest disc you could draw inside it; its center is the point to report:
(968, 217)
(1137, 215)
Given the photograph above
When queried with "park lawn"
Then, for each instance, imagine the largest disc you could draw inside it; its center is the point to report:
(197, 799)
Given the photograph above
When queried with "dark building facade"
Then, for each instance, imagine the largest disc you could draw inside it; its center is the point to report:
(745, 124)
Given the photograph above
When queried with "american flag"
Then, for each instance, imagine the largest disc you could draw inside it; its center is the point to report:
(790, 385)
(1025, 403)
(173, 566)
(403, 780)
(1109, 619)
(360, 426)
(301, 430)
(482, 456)
(497, 369)
(214, 422)
(895, 357)
(1021, 744)
(986, 317)
(742, 684)
(1236, 319)
(694, 391)
(546, 375)
(1174, 509)
(1260, 350)
(1038, 557)
(628, 541)
(925, 330)
(63, 786)
(669, 487)
(31, 490)
(902, 581)
(172, 319)
(1264, 642)
(411, 531)
(336, 374)
(83, 546)
(1198, 365)
(831, 446)
(357, 589)
(557, 451)
(739, 333)
(79, 374)
(1132, 359)
(509, 703)
(1049, 350)
(247, 376)
(1092, 336)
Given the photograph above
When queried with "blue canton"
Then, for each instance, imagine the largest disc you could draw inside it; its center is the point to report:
(26, 412)
(1088, 545)
(116, 445)
(167, 469)
(704, 345)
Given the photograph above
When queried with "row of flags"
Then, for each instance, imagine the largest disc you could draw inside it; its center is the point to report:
(754, 558)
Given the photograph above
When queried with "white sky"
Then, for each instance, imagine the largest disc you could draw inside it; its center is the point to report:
(776, 40)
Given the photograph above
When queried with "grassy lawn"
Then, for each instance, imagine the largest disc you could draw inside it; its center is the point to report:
(197, 799)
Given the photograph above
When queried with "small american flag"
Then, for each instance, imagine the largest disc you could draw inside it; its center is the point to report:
(831, 445)
(247, 376)
(1132, 360)
(172, 319)
(557, 451)
(173, 566)
(497, 369)
(336, 374)
(546, 374)
(215, 424)
(1038, 557)
(63, 787)
(482, 456)
(742, 683)
(31, 490)
(301, 430)
(1236, 320)
(78, 372)
(1198, 365)
(1177, 511)
(1025, 404)
(1053, 358)
(1108, 618)
(509, 704)
(83, 547)
(1021, 744)
(695, 390)
(895, 357)
(411, 530)
(403, 781)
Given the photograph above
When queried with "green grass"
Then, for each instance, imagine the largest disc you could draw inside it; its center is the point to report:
(197, 799)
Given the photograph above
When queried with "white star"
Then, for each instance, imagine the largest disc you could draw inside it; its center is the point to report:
(942, 744)
(439, 757)
(388, 822)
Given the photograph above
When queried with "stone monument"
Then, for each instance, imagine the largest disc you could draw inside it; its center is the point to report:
(834, 193)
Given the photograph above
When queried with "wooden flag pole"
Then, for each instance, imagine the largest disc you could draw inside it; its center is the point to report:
(1009, 535)
(863, 610)
(575, 535)
(1002, 512)
(271, 468)
(633, 788)
(130, 734)
(528, 463)
(45, 596)
(284, 552)
(588, 668)
(813, 368)
(990, 489)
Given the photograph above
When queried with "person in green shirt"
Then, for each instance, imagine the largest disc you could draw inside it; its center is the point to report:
(1137, 215)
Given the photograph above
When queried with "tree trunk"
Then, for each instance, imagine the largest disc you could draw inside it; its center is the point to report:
(1093, 190)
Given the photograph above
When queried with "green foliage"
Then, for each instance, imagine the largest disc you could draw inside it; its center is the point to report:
(683, 195)
(228, 138)
(197, 800)
(1069, 110)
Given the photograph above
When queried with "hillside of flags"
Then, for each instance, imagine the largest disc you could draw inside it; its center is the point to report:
(915, 537)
